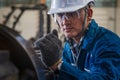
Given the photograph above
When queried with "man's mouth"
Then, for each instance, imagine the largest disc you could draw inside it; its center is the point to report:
(67, 29)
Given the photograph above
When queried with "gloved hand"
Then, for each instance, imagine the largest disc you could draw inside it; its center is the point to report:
(50, 47)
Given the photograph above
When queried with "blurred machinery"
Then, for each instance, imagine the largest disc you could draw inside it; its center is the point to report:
(43, 17)
(17, 57)
(18, 60)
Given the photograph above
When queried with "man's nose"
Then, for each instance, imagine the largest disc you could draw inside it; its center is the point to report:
(65, 20)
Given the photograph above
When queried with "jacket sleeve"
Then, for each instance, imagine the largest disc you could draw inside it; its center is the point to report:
(105, 70)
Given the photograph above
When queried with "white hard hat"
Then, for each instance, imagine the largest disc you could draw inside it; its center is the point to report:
(61, 6)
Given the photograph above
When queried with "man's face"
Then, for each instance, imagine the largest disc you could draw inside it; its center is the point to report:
(71, 23)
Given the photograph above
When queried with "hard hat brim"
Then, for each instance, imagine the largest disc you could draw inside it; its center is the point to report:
(64, 10)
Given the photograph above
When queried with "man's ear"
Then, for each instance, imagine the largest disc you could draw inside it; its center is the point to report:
(90, 14)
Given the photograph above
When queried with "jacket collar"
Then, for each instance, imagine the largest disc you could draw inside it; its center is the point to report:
(90, 34)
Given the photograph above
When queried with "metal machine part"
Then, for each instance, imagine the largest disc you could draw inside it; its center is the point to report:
(21, 55)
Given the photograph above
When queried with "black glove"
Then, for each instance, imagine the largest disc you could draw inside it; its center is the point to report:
(50, 47)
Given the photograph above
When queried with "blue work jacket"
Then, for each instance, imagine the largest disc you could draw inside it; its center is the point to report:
(99, 58)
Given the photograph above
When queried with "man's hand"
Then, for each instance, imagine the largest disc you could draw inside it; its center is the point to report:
(50, 47)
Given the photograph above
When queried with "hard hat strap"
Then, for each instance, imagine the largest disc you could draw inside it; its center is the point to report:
(84, 22)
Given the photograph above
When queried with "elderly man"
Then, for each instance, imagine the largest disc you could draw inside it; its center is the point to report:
(91, 52)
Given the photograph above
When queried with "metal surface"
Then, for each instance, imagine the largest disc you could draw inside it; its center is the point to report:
(21, 53)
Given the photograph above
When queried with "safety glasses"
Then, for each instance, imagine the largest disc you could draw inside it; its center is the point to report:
(68, 16)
